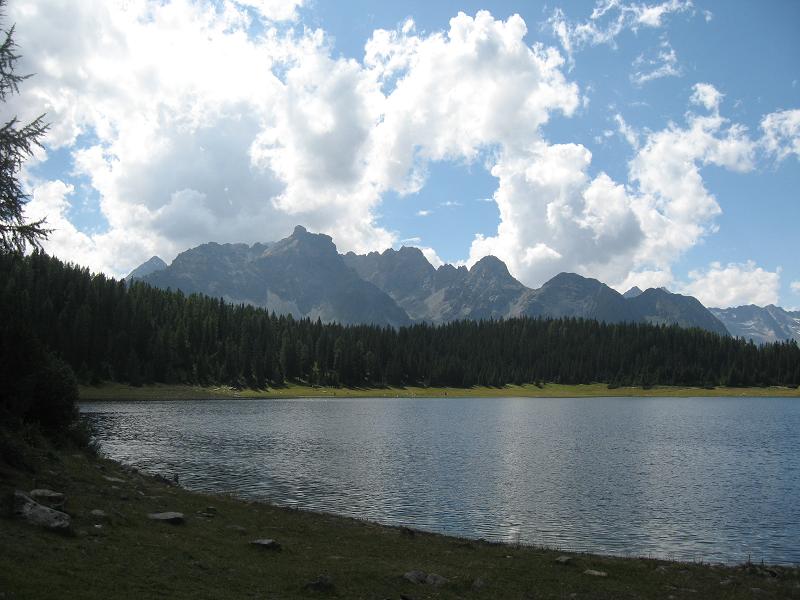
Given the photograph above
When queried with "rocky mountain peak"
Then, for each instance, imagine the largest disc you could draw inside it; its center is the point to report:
(152, 265)
(304, 275)
(632, 293)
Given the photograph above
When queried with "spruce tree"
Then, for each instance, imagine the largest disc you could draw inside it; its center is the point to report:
(17, 143)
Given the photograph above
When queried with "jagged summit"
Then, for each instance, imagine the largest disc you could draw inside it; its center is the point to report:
(150, 266)
(304, 275)
(632, 293)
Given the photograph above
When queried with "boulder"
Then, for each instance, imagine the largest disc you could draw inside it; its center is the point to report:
(267, 544)
(34, 513)
(594, 573)
(48, 497)
(436, 580)
(174, 518)
(416, 576)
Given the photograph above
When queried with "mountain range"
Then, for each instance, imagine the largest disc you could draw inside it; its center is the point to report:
(305, 276)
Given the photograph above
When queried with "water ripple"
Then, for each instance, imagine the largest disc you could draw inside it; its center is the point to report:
(692, 478)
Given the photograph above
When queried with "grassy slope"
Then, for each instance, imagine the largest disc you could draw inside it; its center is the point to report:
(132, 557)
(115, 391)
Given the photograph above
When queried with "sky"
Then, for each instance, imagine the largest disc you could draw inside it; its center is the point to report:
(649, 142)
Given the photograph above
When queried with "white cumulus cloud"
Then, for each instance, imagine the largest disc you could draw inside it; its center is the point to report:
(705, 94)
(555, 216)
(190, 129)
(734, 284)
(782, 133)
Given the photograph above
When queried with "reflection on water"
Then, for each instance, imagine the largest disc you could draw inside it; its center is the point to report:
(693, 478)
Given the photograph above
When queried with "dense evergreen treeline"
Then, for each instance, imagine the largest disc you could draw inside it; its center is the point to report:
(107, 330)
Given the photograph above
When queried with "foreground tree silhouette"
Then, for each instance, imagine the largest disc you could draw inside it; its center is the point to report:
(17, 142)
(36, 386)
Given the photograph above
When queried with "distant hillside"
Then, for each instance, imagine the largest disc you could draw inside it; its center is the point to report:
(304, 275)
(760, 324)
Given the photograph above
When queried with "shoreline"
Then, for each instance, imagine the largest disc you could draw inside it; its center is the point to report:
(160, 392)
(114, 550)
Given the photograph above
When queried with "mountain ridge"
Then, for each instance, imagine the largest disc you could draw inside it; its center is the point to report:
(304, 275)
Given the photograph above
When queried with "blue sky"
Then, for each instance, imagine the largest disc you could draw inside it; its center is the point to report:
(661, 148)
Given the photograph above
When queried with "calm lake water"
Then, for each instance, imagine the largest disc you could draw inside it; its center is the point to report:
(690, 478)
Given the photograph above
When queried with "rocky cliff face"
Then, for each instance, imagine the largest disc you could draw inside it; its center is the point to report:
(302, 275)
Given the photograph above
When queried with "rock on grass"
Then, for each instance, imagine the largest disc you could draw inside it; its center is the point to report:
(173, 518)
(594, 573)
(267, 544)
(34, 513)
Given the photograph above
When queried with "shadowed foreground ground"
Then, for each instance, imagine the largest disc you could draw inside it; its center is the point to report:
(126, 555)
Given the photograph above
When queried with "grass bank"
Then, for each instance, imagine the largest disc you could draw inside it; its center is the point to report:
(125, 555)
(116, 391)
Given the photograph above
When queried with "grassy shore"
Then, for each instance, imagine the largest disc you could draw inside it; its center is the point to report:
(116, 391)
(126, 555)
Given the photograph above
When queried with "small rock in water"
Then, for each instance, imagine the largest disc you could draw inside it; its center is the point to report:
(415, 576)
(99, 514)
(48, 497)
(594, 573)
(237, 528)
(564, 560)
(267, 544)
(436, 580)
(323, 583)
(113, 479)
(34, 513)
(174, 518)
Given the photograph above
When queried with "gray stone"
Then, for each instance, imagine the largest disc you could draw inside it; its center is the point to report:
(34, 513)
(174, 518)
(267, 544)
(594, 573)
(416, 576)
(237, 528)
(436, 580)
(113, 479)
(99, 514)
(564, 560)
(48, 497)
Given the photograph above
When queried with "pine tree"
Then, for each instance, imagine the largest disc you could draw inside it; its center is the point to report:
(17, 142)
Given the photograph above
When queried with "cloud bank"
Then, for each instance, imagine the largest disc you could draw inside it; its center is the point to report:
(189, 127)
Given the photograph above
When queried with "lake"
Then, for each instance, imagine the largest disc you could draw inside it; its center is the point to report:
(713, 479)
